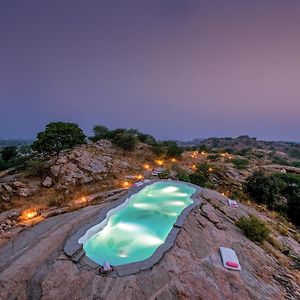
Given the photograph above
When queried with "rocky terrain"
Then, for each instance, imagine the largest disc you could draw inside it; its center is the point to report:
(86, 168)
(33, 265)
(42, 209)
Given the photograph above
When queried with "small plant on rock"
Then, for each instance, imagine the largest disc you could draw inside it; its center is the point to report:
(254, 228)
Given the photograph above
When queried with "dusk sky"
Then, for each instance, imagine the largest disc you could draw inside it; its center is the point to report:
(176, 69)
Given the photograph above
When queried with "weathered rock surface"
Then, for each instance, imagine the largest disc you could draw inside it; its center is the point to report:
(84, 164)
(47, 182)
(32, 265)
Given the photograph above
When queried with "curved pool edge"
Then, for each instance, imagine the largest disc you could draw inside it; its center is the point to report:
(75, 251)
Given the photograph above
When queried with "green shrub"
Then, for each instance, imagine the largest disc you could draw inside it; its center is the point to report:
(164, 175)
(240, 163)
(255, 229)
(294, 153)
(183, 176)
(296, 164)
(37, 168)
(213, 157)
(259, 155)
(244, 151)
(280, 161)
(264, 189)
(198, 179)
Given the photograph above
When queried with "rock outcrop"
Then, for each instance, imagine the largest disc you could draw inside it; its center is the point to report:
(85, 164)
(32, 265)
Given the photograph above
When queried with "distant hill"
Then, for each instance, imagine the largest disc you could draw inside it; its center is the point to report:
(193, 143)
(244, 141)
(17, 143)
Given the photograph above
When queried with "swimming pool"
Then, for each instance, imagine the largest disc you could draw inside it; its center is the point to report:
(132, 231)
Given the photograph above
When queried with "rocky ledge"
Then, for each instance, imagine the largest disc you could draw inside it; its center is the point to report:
(33, 266)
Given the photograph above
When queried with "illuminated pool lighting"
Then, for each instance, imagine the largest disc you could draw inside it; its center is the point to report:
(170, 189)
(142, 205)
(133, 231)
(176, 203)
(129, 227)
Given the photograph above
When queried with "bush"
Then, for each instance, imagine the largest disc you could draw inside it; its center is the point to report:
(255, 229)
(164, 175)
(37, 168)
(126, 141)
(9, 153)
(296, 164)
(100, 132)
(167, 149)
(244, 151)
(264, 189)
(294, 153)
(198, 179)
(183, 176)
(240, 163)
(213, 157)
(280, 161)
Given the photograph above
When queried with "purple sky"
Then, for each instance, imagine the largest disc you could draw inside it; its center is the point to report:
(177, 69)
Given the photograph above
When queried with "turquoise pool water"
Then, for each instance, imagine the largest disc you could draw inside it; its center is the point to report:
(132, 231)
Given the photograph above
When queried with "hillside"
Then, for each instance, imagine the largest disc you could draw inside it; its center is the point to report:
(45, 204)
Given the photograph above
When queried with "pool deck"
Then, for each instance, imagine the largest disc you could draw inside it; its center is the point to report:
(75, 251)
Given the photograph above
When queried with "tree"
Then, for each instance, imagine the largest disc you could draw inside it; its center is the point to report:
(58, 136)
(146, 138)
(9, 152)
(100, 132)
(264, 189)
(167, 149)
(173, 150)
(125, 140)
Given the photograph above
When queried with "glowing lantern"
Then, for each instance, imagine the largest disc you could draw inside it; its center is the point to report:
(146, 166)
(159, 162)
(126, 184)
(210, 169)
(28, 214)
(139, 177)
(173, 160)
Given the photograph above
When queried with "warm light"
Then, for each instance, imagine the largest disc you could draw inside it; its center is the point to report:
(194, 167)
(202, 152)
(159, 162)
(194, 154)
(139, 177)
(28, 214)
(126, 184)
(146, 166)
(223, 154)
(230, 157)
(173, 160)
(210, 169)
